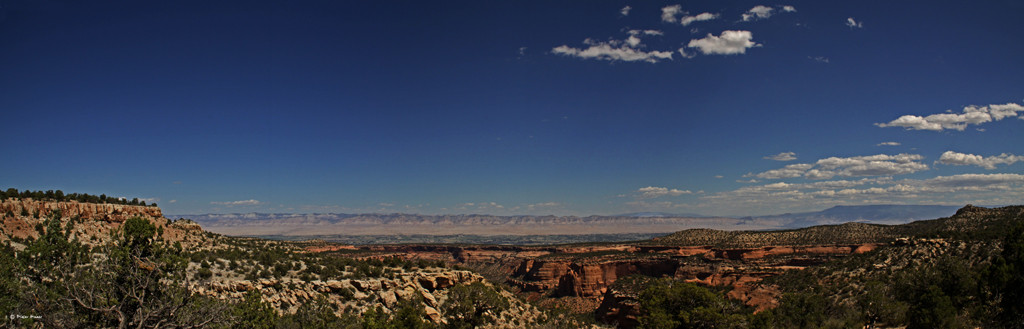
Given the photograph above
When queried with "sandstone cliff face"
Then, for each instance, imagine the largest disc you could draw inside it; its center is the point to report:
(733, 267)
(619, 308)
(588, 271)
(93, 211)
(93, 223)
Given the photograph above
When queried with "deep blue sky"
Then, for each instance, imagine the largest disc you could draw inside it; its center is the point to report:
(504, 108)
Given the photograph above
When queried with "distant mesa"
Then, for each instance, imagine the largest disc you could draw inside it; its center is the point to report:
(660, 214)
(267, 224)
(874, 214)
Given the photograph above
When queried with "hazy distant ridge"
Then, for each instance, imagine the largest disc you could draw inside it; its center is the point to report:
(364, 224)
(648, 222)
(875, 214)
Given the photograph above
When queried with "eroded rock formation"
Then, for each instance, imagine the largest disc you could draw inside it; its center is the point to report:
(92, 223)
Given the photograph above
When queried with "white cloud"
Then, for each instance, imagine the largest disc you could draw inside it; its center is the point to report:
(682, 52)
(758, 12)
(172, 201)
(888, 144)
(872, 165)
(957, 189)
(655, 192)
(625, 10)
(819, 59)
(789, 171)
(645, 32)
(975, 181)
(853, 23)
(615, 51)
(963, 159)
(249, 202)
(543, 205)
(1000, 111)
(633, 41)
(479, 207)
(789, 9)
(784, 156)
(686, 20)
(668, 13)
(729, 43)
(972, 115)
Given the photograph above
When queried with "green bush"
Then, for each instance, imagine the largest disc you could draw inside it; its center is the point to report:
(204, 273)
(672, 304)
(473, 305)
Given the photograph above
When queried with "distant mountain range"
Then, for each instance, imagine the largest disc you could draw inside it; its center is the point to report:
(660, 214)
(876, 214)
(640, 222)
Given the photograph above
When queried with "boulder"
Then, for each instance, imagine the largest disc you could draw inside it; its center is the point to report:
(389, 298)
(433, 314)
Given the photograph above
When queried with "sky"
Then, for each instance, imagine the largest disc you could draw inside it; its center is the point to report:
(515, 107)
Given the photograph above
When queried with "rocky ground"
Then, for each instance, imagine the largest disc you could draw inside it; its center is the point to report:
(596, 281)
(285, 274)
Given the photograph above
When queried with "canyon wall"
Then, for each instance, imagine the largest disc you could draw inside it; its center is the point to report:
(91, 223)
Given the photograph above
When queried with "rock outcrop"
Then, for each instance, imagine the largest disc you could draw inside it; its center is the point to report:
(287, 294)
(90, 211)
(590, 277)
(91, 223)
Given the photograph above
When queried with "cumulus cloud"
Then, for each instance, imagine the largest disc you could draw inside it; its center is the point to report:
(789, 9)
(625, 10)
(758, 12)
(975, 181)
(1004, 188)
(669, 13)
(778, 197)
(789, 171)
(963, 159)
(872, 165)
(784, 156)
(728, 43)
(249, 202)
(853, 23)
(888, 144)
(686, 20)
(971, 115)
(655, 192)
(627, 50)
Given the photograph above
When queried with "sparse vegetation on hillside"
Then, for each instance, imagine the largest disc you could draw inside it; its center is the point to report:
(963, 226)
(136, 278)
(59, 196)
(955, 275)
